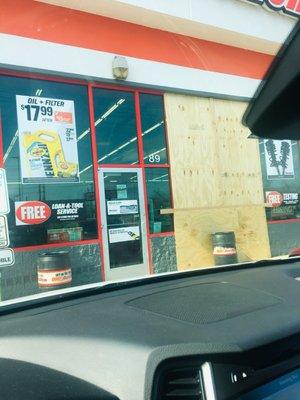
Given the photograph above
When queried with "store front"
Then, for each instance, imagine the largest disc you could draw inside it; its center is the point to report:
(132, 177)
(86, 165)
(280, 161)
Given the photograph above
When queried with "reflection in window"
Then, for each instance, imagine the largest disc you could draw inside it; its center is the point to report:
(280, 161)
(158, 193)
(153, 129)
(115, 127)
(69, 194)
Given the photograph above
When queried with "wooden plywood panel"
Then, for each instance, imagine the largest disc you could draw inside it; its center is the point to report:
(192, 144)
(252, 234)
(194, 230)
(212, 160)
(214, 164)
(193, 235)
(240, 172)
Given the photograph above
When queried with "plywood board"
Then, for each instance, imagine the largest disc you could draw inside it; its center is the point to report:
(214, 164)
(192, 145)
(194, 230)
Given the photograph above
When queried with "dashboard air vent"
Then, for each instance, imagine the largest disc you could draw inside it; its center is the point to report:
(181, 383)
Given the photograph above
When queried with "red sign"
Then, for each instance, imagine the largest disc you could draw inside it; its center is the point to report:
(31, 212)
(62, 116)
(274, 199)
(289, 7)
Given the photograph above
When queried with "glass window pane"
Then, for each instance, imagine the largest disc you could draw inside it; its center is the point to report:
(115, 127)
(153, 127)
(48, 161)
(280, 161)
(158, 193)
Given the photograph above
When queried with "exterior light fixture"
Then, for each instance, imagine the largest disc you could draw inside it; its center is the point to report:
(120, 68)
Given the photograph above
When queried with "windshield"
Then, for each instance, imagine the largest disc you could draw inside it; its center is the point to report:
(122, 148)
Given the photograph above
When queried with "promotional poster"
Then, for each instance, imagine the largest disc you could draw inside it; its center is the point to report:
(125, 234)
(279, 159)
(47, 140)
(38, 212)
(117, 207)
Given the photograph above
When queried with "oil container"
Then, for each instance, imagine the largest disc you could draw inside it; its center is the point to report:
(224, 248)
(54, 270)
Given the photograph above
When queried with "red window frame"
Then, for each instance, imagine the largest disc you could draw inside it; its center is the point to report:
(90, 86)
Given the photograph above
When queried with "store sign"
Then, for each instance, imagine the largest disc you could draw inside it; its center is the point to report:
(66, 210)
(4, 200)
(127, 234)
(7, 257)
(288, 7)
(117, 207)
(290, 198)
(47, 140)
(276, 199)
(279, 159)
(4, 235)
(31, 212)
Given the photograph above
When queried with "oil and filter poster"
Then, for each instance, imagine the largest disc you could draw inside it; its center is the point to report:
(279, 159)
(47, 140)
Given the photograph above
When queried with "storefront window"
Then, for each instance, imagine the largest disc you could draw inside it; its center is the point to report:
(116, 129)
(153, 129)
(159, 197)
(281, 178)
(47, 157)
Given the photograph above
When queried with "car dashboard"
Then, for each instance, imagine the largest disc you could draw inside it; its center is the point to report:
(215, 334)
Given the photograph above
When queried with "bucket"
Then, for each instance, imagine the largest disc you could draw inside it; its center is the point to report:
(224, 248)
(54, 270)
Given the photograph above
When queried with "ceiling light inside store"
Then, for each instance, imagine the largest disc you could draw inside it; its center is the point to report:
(152, 128)
(109, 111)
(156, 152)
(105, 115)
(99, 120)
(83, 134)
(159, 177)
(11, 145)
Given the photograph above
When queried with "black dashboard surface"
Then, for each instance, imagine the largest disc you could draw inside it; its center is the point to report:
(115, 340)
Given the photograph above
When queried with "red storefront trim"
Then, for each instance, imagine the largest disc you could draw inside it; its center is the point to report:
(64, 26)
(139, 165)
(119, 166)
(99, 85)
(284, 221)
(96, 177)
(162, 234)
(76, 81)
(1, 144)
(30, 75)
(52, 245)
(141, 158)
(168, 155)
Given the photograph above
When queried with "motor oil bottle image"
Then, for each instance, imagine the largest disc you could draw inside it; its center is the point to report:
(45, 155)
(133, 235)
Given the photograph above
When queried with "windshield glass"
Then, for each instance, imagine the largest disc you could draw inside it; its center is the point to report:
(122, 148)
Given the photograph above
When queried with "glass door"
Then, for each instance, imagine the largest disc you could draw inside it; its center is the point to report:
(123, 223)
